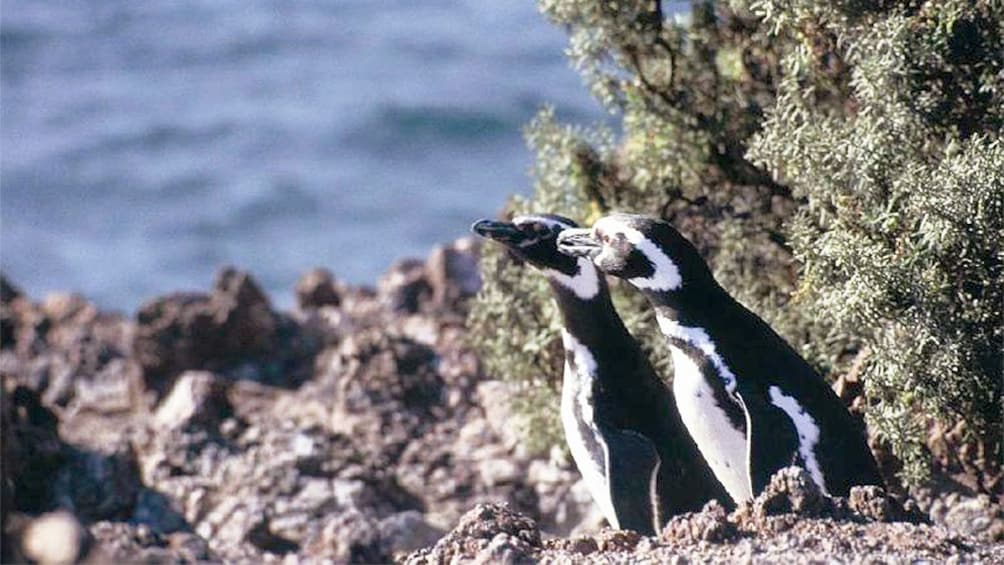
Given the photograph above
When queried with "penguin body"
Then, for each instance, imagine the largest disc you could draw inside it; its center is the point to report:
(619, 419)
(761, 389)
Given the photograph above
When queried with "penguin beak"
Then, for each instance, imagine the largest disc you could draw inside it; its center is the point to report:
(502, 232)
(579, 242)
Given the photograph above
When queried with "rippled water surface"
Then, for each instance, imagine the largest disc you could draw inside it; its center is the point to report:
(146, 143)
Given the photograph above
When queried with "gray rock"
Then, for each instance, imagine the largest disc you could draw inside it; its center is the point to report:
(317, 288)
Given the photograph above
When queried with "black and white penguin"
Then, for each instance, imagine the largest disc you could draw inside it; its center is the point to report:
(621, 424)
(749, 400)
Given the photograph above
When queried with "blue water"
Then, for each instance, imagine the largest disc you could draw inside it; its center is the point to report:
(144, 144)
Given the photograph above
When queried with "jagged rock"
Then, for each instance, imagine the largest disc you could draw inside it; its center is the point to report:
(385, 389)
(791, 491)
(198, 398)
(317, 288)
(875, 504)
(711, 524)
(54, 538)
(490, 533)
(64, 348)
(404, 288)
(452, 272)
(231, 330)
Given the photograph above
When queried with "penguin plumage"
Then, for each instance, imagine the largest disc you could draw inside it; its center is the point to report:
(620, 422)
(746, 396)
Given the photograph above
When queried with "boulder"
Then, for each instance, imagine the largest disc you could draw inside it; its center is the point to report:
(232, 330)
(317, 288)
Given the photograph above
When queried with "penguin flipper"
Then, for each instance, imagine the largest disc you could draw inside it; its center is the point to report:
(771, 440)
(632, 469)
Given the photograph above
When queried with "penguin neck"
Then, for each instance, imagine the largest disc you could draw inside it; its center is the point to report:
(693, 305)
(586, 308)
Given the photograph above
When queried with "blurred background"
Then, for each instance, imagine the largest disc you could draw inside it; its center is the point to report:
(146, 143)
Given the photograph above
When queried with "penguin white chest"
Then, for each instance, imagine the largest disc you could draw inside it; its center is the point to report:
(587, 446)
(720, 442)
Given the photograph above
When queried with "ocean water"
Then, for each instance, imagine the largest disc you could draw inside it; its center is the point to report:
(144, 144)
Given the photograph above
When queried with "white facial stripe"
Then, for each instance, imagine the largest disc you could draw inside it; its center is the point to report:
(666, 275)
(808, 432)
(702, 341)
(585, 284)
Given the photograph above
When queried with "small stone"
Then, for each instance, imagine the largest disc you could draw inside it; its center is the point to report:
(198, 398)
(56, 537)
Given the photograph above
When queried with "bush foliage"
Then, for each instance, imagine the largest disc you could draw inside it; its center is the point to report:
(840, 165)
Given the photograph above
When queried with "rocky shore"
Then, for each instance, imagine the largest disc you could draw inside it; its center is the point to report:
(358, 427)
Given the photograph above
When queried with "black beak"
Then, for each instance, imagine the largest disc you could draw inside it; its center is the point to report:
(502, 232)
(579, 242)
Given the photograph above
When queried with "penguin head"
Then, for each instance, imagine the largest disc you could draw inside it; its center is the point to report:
(534, 239)
(647, 252)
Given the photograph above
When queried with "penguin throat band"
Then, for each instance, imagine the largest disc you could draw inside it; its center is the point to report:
(700, 339)
(585, 284)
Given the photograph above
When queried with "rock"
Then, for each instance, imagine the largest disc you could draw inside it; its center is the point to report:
(32, 450)
(8, 292)
(386, 389)
(404, 288)
(711, 524)
(489, 533)
(317, 288)
(453, 273)
(232, 330)
(56, 537)
(406, 532)
(617, 540)
(791, 491)
(98, 485)
(872, 503)
(121, 542)
(349, 537)
(8, 323)
(198, 398)
(975, 516)
(495, 397)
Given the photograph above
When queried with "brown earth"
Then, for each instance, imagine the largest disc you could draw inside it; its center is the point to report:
(357, 427)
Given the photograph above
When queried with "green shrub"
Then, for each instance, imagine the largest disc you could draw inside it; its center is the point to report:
(840, 166)
(903, 234)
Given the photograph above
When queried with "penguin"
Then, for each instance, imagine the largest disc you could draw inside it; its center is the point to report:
(620, 422)
(752, 404)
